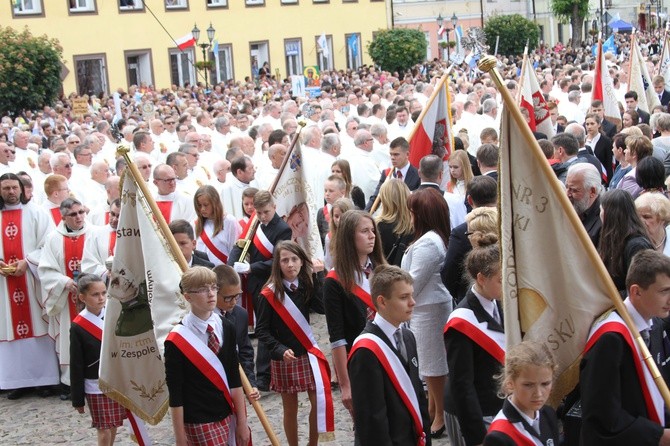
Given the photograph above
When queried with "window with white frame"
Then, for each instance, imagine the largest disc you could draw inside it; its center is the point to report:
(130, 5)
(82, 5)
(223, 64)
(324, 52)
(254, 2)
(354, 50)
(27, 7)
(293, 54)
(181, 67)
(176, 4)
(217, 3)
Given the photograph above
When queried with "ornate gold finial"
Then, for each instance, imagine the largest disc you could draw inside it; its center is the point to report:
(487, 63)
(302, 123)
(122, 150)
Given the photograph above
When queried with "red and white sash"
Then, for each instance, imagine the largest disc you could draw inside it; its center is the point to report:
(652, 397)
(166, 209)
(212, 248)
(361, 291)
(465, 321)
(93, 326)
(516, 431)
(202, 357)
(107, 217)
(56, 215)
(296, 322)
(398, 376)
(326, 212)
(245, 223)
(73, 248)
(17, 286)
(112, 242)
(262, 243)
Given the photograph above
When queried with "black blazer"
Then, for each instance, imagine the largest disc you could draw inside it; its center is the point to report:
(453, 273)
(322, 224)
(644, 116)
(84, 362)
(592, 222)
(412, 181)
(548, 427)
(603, 151)
(276, 231)
(493, 174)
(199, 258)
(389, 240)
(665, 99)
(430, 186)
(472, 391)
(346, 315)
(380, 417)
(608, 128)
(613, 408)
(245, 351)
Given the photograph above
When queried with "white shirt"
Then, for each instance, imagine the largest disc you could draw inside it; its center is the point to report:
(489, 305)
(388, 328)
(199, 326)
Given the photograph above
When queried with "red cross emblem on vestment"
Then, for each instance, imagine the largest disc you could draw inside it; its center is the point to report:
(11, 230)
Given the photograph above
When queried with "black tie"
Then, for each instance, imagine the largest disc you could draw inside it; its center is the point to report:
(645, 336)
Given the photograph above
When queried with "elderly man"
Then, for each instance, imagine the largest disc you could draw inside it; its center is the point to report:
(5, 153)
(101, 243)
(26, 352)
(364, 170)
(26, 159)
(583, 187)
(100, 215)
(173, 204)
(59, 267)
(243, 176)
(266, 176)
(318, 162)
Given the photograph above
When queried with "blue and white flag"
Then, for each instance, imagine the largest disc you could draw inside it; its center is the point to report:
(353, 44)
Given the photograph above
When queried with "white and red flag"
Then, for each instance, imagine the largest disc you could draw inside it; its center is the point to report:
(603, 88)
(432, 133)
(533, 101)
(186, 41)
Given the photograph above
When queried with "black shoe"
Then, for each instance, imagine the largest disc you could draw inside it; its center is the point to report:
(44, 391)
(19, 393)
(263, 386)
(64, 392)
(438, 433)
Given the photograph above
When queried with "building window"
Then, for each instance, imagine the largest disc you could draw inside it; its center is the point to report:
(27, 7)
(139, 69)
(324, 52)
(259, 55)
(289, 2)
(254, 2)
(182, 71)
(223, 64)
(78, 6)
(320, 1)
(353, 45)
(176, 4)
(217, 3)
(131, 5)
(91, 72)
(293, 55)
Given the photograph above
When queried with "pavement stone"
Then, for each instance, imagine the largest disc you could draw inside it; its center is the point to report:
(32, 420)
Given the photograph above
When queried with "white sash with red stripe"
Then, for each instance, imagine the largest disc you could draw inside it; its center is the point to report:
(296, 322)
(212, 247)
(398, 376)
(516, 431)
(262, 243)
(465, 321)
(202, 357)
(652, 397)
(93, 325)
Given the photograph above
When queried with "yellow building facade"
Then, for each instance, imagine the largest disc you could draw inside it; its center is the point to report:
(109, 44)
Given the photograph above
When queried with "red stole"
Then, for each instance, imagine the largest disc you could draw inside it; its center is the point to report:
(326, 213)
(202, 357)
(296, 322)
(520, 438)
(398, 376)
(56, 215)
(263, 244)
(112, 242)
(166, 209)
(212, 248)
(17, 286)
(357, 291)
(465, 321)
(73, 248)
(107, 217)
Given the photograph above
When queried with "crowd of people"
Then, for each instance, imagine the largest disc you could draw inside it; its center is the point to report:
(410, 283)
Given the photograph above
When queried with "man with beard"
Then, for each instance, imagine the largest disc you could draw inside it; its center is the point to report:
(583, 186)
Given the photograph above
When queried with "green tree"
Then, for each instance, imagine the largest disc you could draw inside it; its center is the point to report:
(514, 30)
(573, 12)
(29, 71)
(398, 49)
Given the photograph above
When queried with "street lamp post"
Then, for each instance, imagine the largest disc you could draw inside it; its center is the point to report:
(440, 22)
(454, 21)
(204, 46)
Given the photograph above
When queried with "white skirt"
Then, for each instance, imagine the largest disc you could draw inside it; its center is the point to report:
(427, 324)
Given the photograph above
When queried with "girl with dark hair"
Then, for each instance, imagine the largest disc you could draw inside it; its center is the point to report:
(622, 235)
(346, 290)
(424, 260)
(650, 175)
(283, 325)
(216, 232)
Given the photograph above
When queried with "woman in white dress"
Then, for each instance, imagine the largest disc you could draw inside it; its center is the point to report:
(216, 232)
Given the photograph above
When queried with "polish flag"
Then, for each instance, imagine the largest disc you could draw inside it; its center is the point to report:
(533, 101)
(603, 88)
(432, 133)
(185, 42)
(441, 31)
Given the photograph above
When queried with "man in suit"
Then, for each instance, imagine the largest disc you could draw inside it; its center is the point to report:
(380, 413)
(487, 160)
(607, 127)
(185, 238)
(631, 104)
(661, 92)
(621, 404)
(259, 266)
(230, 290)
(401, 168)
(430, 172)
(583, 187)
(585, 153)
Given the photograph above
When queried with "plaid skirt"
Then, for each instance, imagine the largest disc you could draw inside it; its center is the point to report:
(292, 377)
(105, 412)
(208, 434)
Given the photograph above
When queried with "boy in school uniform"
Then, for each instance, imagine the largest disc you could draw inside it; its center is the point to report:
(389, 404)
(621, 405)
(333, 189)
(201, 369)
